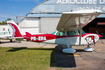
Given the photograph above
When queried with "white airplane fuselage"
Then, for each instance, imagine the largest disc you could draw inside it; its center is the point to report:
(86, 39)
(67, 38)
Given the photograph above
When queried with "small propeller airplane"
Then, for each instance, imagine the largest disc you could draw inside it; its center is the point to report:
(69, 31)
(5, 35)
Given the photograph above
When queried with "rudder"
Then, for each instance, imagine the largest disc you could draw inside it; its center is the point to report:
(17, 32)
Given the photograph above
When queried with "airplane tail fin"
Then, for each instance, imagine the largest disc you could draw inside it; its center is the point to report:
(16, 31)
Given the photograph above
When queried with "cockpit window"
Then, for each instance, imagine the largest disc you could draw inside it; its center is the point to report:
(82, 32)
(53, 33)
(60, 34)
(4, 33)
(69, 33)
(1, 33)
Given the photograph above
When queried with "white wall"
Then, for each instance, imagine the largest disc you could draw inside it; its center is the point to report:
(29, 22)
(5, 27)
(30, 25)
(42, 25)
(31, 30)
(48, 25)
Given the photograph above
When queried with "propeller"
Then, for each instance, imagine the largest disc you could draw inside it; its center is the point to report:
(100, 38)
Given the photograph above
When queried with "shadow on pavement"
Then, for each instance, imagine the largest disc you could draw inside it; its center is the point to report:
(59, 59)
(2, 42)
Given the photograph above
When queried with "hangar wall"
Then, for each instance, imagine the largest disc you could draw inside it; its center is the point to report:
(45, 16)
(48, 25)
(39, 25)
(30, 24)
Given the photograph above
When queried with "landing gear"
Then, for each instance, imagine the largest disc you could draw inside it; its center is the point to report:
(89, 49)
(10, 40)
(69, 50)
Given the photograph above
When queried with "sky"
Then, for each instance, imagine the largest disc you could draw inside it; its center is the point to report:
(13, 8)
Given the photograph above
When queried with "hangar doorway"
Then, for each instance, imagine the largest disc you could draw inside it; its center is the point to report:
(96, 26)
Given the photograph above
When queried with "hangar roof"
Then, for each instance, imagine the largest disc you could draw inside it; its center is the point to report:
(54, 8)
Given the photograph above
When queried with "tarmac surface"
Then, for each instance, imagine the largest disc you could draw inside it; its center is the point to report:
(78, 61)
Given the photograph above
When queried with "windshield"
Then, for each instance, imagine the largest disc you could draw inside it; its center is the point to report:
(69, 33)
(60, 34)
(82, 32)
(53, 33)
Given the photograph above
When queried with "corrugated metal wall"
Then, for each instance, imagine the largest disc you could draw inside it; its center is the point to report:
(48, 25)
(50, 12)
(30, 25)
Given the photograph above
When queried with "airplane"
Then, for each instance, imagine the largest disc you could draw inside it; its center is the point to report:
(69, 31)
(5, 35)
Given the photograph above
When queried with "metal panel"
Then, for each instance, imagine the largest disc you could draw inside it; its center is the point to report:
(30, 25)
(48, 25)
(44, 15)
(29, 22)
(31, 30)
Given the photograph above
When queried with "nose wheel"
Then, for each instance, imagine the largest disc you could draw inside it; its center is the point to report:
(89, 49)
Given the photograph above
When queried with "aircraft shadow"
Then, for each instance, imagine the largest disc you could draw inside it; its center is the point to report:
(79, 50)
(59, 59)
(9, 42)
(16, 49)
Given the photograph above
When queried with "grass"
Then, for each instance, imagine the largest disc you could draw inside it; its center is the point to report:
(25, 58)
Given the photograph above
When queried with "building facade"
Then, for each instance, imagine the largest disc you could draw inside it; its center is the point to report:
(45, 16)
(4, 28)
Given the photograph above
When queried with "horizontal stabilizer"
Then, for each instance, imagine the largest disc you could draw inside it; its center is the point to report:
(28, 34)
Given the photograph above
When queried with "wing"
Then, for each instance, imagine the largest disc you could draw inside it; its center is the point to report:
(71, 21)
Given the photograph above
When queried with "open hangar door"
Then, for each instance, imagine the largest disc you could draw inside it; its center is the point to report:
(30, 24)
(96, 26)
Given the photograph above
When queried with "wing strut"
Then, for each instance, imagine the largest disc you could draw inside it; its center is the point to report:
(80, 32)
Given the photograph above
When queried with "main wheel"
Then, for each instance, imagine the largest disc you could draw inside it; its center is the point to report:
(68, 50)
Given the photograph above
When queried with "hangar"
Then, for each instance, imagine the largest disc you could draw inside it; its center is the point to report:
(45, 16)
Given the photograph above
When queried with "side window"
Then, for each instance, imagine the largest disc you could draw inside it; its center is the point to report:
(6, 33)
(60, 34)
(1, 33)
(3, 29)
(72, 33)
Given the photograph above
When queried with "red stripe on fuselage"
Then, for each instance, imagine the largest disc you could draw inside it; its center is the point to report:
(44, 37)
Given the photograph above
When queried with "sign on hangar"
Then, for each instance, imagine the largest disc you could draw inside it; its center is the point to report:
(68, 5)
(45, 16)
(98, 4)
